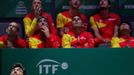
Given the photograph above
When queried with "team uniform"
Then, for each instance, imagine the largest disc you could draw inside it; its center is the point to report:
(105, 25)
(64, 19)
(17, 43)
(119, 42)
(30, 23)
(52, 42)
(83, 40)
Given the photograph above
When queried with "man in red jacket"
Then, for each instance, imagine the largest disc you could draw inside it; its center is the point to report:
(30, 20)
(64, 19)
(124, 40)
(44, 39)
(105, 23)
(12, 40)
(77, 38)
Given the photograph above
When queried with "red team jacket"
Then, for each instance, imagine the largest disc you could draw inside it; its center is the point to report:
(30, 23)
(17, 43)
(119, 42)
(64, 19)
(105, 25)
(52, 42)
(83, 40)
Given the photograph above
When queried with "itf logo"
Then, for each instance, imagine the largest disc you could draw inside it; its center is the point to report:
(47, 66)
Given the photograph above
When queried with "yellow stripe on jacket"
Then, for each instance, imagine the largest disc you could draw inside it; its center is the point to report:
(67, 40)
(30, 26)
(34, 42)
(62, 20)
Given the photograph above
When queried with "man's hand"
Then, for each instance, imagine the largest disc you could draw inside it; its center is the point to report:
(9, 44)
(106, 40)
(78, 38)
(37, 11)
(45, 30)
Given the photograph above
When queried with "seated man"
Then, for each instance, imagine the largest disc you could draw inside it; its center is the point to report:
(30, 20)
(124, 39)
(17, 69)
(64, 19)
(77, 38)
(104, 23)
(12, 40)
(44, 39)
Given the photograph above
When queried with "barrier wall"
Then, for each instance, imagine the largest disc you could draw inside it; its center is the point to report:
(97, 61)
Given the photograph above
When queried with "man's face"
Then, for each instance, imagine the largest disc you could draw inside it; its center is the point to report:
(13, 28)
(43, 24)
(36, 4)
(104, 3)
(77, 21)
(124, 29)
(124, 26)
(75, 3)
(104, 12)
(77, 24)
(17, 71)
